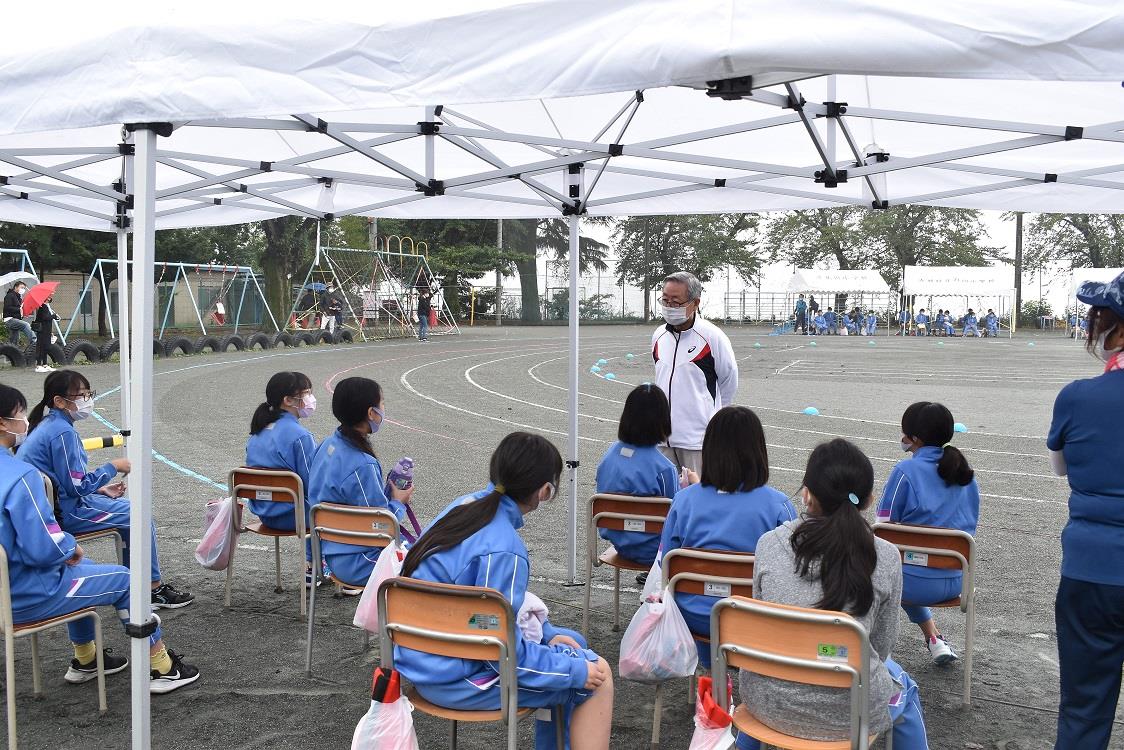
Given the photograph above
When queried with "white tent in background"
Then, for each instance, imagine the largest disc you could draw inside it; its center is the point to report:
(863, 288)
(975, 285)
(537, 109)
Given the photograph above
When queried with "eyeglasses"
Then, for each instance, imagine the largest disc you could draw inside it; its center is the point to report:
(665, 302)
(83, 394)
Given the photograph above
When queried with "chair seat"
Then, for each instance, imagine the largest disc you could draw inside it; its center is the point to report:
(22, 626)
(453, 714)
(345, 584)
(257, 527)
(746, 722)
(950, 603)
(613, 558)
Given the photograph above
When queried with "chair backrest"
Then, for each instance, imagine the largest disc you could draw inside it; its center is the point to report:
(52, 493)
(626, 513)
(688, 570)
(462, 622)
(6, 625)
(353, 524)
(266, 485)
(809, 646)
(932, 547)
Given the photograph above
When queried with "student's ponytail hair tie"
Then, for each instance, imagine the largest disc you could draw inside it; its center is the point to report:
(946, 445)
(500, 489)
(853, 498)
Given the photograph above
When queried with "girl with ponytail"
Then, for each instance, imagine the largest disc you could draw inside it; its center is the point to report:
(936, 487)
(345, 470)
(475, 542)
(830, 559)
(279, 441)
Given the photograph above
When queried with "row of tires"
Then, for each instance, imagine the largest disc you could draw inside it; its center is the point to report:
(81, 350)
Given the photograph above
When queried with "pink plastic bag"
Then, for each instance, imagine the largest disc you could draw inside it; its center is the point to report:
(213, 551)
(658, 645)
(387, 566)
(386, 726)
(712, 724)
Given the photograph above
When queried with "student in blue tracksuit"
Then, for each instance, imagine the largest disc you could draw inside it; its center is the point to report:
(821, 324)
(830, 318)
(971, 324)
(87, 500)
(922, 321)
(634, 466)
(345, 470)
(871, 323)
(475, 542)
(903, 322)
(936, 487)
(729, 508)
(949, 329)
(279, 441)
(992, 323)
(49, 573)
(939, 323)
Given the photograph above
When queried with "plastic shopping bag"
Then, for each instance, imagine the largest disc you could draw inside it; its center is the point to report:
(658, 645)
(712, 723)
(387, 566)
(388, 724)
(653, 584)
(213, 551)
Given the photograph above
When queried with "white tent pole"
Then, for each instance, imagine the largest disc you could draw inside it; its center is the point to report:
(831, 122)
(140, 443)
(572, 462)
(123, 326)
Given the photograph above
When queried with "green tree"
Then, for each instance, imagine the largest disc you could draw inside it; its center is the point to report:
(288, 246)
(1085, 240)
(651, 247)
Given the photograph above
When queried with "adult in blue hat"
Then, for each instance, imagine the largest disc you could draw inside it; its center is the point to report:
(1086, 446)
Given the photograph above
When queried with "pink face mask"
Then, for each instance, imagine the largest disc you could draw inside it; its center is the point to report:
(307, 407)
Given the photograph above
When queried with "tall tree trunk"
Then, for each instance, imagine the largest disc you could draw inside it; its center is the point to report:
(527, 266)
(647, 268)
(1018, 266)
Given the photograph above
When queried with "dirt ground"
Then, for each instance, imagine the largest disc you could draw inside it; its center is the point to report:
(449, 402)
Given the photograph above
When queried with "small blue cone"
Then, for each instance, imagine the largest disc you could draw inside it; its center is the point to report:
(610, 376)
(812, 343)
(940, 343)
(602, 361)
(812, 411)
(871, 342)
(630, 356)
(1030, 343)
(757, 345)
(595, 368)
(959, 427)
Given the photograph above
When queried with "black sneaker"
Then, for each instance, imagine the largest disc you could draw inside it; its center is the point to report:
(79, 673)
(642, 578)
(166, 597)
(181, 674)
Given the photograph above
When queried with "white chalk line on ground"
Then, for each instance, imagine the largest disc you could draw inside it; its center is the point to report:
(790, 364)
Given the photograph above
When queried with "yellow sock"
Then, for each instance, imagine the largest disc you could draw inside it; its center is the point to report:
(161, 662)
(85, 652)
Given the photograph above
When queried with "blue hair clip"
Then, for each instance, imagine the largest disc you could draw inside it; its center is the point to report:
(853, 498)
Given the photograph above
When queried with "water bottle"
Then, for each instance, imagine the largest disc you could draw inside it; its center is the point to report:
(401, 476)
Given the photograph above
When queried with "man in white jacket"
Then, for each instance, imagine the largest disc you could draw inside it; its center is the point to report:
(695, 367)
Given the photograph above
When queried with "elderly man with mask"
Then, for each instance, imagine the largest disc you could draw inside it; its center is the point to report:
(695, 367)
(13, 314)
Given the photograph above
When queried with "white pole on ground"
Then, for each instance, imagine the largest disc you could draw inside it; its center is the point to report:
(572, 526)
(140, 443)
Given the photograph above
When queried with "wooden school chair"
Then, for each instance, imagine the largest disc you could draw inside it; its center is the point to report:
(89, 536)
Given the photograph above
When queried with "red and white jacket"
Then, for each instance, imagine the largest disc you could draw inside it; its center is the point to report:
(697, 370)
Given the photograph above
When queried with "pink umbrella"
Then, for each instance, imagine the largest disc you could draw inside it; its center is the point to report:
(37, 295)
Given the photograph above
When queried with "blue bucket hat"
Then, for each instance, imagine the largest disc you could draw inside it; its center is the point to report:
(1099, 294)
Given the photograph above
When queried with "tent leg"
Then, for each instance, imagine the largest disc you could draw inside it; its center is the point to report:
(140, 443)
(572, 463)
(123, 325)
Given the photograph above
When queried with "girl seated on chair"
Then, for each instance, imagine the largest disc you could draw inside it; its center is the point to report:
(729, 509)
(279, 441)
(475, 542)
(87, 500)
(634, 466)
(345, 470)
(830, 559)
(48, 572)
(936, 487)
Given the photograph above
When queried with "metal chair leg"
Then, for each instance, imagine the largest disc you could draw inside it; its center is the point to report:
(453, 735)
(311, 621)
(969, 643)
(657, 716)
(559, 727)
(100, 660)
(277, 563)
(588, 592)
(230, 563)
(10, 685)
(36, 679)
(616, 600)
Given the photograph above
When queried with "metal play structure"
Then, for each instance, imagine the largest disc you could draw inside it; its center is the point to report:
(23, 260)
(376, 289)
(209, 299)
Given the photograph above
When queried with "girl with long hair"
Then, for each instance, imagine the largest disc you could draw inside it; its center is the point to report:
(279, 441)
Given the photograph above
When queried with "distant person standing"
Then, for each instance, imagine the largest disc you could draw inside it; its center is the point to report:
(13, 314)
(903, 322)
(801, 313)
(423, 315)
(695, 367)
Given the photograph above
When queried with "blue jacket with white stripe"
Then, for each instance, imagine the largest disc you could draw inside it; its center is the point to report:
(495, 557)
(37, 548)
(636, 470)
(283, 444)
(55, 448)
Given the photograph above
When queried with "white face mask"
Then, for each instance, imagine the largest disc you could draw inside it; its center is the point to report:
(84, 407)
(675, 316)
(20, 436)
(1099, 346)
(307, 407)
(907, 445)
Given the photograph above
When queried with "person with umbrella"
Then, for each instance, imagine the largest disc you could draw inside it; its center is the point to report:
(38, 299)
(13, 314)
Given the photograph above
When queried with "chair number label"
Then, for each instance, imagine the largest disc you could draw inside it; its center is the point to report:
(484, 622)
(716, 589)
(380, 526)
(915, 558)
(263, 495)
(831, 652)
(631, 524)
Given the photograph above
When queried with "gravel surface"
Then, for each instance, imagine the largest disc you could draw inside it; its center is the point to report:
(450, 401)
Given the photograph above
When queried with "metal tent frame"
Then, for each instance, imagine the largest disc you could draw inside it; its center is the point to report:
(27, 266)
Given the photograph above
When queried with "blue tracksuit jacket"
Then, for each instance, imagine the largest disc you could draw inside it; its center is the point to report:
(634, 470)
(284, 444)
(992, 323)
(706, 518)
(915, 494)
(495, 557)
(55, 448)
(341, 473)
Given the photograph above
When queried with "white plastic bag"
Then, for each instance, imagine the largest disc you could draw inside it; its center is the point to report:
(658, 645)
(386, 726)
(653, 584)
(713, 729)
(387, 566)
(213, 551)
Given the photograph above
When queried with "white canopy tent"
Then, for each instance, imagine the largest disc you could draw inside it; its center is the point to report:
(846, 282)
(983, 284)
(500, 109)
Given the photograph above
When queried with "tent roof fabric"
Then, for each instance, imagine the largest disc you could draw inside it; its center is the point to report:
(958, 281)
(413, 111)
(835, 281)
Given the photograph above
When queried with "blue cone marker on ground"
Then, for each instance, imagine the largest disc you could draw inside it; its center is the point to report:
(756, 344)
(1030, 343)
(959, 427)
(812, 343)
(812, 411)
(595, 368)
(630, 356)
(610, 376)
(602, 361)
(871, 342)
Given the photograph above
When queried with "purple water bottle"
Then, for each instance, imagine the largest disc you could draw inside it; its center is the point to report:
(401, 476)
